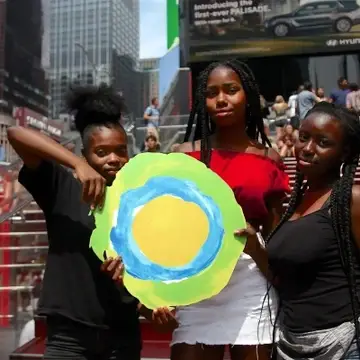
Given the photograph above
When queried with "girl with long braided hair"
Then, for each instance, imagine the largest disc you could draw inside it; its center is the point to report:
(229, 138)
(313, 253)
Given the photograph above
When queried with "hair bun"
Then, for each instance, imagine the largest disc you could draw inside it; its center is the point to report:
(94, 105)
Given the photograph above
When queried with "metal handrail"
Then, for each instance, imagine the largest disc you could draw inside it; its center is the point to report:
(16, 208)
(19, 248)
(16, 288)
(26, 202)
(23, 233)
(26, 265)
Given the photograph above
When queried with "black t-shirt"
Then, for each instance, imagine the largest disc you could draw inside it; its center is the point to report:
(74, 286)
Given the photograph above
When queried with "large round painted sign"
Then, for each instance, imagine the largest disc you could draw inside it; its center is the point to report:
(172, 221)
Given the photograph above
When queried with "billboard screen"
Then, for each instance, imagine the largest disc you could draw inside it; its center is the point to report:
(249, 28)
(168, 68)
(172, 15)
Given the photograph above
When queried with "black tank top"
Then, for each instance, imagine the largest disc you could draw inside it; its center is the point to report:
(312, 285)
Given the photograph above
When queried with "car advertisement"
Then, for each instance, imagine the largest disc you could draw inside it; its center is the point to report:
(255, 28)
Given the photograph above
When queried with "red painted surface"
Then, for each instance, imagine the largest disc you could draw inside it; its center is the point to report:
(155, 345)
(5, 273)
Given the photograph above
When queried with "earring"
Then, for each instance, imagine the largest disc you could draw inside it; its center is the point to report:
(341, 170)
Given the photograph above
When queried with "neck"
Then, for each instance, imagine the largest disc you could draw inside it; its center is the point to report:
(231, 137)
(322, 183)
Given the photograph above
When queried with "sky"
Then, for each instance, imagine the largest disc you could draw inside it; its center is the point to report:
(152, 28)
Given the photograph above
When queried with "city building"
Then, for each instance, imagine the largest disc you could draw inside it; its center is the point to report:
(149, 64)
(22, 77)
(150, 68)
(93, 41)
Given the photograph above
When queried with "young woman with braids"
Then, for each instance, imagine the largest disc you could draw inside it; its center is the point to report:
(314, 251)
(229, 123)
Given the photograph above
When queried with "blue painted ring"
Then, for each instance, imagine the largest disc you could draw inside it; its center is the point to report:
(136, 263)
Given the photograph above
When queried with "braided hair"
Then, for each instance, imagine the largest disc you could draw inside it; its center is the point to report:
(205, 127)
(340, 200)
(94, 106)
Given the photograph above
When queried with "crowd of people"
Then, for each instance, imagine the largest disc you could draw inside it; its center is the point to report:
(294, 293)
(287, 115)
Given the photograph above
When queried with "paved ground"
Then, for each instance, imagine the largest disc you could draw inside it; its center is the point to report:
(7, 343)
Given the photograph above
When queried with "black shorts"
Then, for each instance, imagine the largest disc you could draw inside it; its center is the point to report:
(295, 122)
(280, 123)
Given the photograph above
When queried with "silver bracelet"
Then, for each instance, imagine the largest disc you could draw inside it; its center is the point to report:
(261, 240)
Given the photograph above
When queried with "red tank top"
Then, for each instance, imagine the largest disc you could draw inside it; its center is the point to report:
(253, 178)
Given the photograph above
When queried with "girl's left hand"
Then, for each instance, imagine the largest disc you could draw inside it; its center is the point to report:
(252, 243)
(114, 268)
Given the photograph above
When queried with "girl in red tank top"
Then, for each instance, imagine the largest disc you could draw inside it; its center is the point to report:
(228, 128)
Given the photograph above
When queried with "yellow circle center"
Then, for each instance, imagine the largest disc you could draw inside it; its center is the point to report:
(170, 231)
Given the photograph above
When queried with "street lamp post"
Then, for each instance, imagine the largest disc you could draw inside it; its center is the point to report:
(96, 68)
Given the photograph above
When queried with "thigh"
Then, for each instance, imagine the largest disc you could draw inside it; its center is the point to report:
(353, 353)
(123, 353)
(60, 346)
(69, 340)
(250, 352)
(197, 352)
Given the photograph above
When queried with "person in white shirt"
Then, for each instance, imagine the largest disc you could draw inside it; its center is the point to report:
(27, 333)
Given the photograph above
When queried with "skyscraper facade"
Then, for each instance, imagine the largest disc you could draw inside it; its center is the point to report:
(150, 69)
(92, 41)
(22, 77)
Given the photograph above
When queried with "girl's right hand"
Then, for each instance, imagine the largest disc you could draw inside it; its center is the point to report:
(93, 184)
(252, 242)
(114, 268)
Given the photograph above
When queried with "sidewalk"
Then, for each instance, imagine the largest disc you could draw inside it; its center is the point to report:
(7, 343)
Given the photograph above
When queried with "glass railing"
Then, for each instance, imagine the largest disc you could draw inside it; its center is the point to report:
(172, 130)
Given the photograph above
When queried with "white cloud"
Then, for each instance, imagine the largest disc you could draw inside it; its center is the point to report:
(152, 28)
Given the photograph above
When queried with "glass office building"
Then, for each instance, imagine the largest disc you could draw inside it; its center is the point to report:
(92, 41)
(22, 77)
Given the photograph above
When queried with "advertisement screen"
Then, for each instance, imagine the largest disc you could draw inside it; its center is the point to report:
(168, 69)
(172, 26)
(249, 28)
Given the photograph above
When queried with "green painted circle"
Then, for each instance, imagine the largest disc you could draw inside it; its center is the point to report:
(207, 283)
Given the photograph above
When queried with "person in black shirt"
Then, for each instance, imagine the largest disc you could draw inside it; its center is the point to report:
(313, 253)
(89, 316)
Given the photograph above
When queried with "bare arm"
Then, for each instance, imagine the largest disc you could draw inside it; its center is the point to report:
(355, 213)
(148, 114)
(348, 102)
(187, 147)
(34, 147)
(275, 208)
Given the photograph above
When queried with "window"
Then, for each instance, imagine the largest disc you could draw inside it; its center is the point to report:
(306, 10)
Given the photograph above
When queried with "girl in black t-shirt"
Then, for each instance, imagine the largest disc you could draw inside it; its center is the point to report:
(89, 315)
